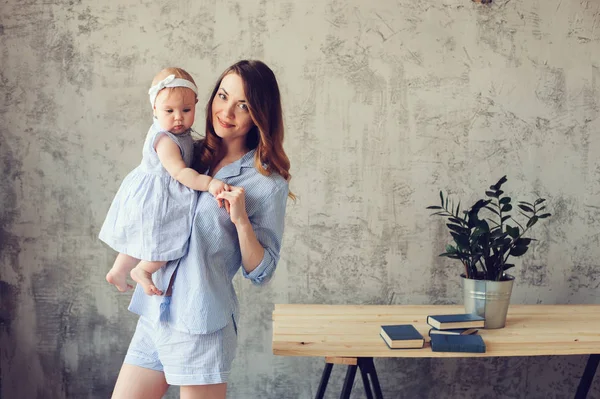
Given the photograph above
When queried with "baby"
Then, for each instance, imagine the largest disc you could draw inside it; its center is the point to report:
(150, 217)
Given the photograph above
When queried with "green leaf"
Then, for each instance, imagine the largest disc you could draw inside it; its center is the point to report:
(545, 215)
(493, 194)
(505, 200)
(507, 266)
(499, 184)
(482, 224)
(451, 249)
(539, 201)
(472, 215)
(457, 208)
(542, 208)
(442, 198)
(512, 231)
(526, 203)
(434, 207)
(523, 242)
(480, 204)
(451, 256)
(498, 234)
(506, 208)
(526, 208)
(505, 218)
(461, 240)
(478, 232)
(532, 221)
(518, 251)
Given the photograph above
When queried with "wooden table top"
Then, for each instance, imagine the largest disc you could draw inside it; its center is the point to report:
(353, 330)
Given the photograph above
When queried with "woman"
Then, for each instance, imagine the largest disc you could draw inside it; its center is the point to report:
(188, 337)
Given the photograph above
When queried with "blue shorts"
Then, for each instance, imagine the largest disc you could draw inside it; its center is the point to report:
(185, 359)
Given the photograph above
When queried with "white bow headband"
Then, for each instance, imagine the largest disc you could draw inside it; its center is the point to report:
(170, 81)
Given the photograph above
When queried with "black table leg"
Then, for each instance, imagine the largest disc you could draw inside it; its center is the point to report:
(324, 381)
(348, 382)
(587, 377)
(365, 378)
(367, 368)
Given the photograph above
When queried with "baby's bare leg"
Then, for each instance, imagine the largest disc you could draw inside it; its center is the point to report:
(117, 275)
(142, 274)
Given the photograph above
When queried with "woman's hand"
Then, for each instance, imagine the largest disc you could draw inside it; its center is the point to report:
(235, 204)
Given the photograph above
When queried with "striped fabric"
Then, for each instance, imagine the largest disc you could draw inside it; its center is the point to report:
(203, 298)
(151, 207)
(185, 359)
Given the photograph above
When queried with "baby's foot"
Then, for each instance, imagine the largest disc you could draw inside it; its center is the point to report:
(118, 279)
(144, 278)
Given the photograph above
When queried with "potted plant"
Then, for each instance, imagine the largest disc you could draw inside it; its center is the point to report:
(485, 237)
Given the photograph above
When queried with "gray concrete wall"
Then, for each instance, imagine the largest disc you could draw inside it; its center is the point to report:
(386, 102)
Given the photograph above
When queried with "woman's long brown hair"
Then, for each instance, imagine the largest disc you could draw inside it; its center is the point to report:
(262, 94)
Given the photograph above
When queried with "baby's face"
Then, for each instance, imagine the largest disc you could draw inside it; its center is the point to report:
(175, 109)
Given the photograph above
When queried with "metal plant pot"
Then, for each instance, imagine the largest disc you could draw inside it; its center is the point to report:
(488, 299)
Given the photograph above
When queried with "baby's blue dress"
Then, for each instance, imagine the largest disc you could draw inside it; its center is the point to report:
(151, 214)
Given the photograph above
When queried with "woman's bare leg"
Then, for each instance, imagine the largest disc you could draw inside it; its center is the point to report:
(213, 391)
(142, 274)
(117, 275)
(136, 382)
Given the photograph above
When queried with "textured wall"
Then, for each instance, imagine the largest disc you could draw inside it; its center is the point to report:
(386, 102)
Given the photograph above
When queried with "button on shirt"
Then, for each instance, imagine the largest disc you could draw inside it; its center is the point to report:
(203, 298)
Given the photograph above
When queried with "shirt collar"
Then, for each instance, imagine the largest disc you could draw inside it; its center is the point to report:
(235, 168)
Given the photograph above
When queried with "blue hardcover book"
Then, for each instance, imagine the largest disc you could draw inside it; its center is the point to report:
(452, 321)
(457, 343)
(401, 336)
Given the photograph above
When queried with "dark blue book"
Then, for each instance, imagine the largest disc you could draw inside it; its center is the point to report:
(457, 343)
(401, 336)
(454, 331)
(452, 321)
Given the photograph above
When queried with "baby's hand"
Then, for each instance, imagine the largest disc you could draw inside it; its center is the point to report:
(216, 187)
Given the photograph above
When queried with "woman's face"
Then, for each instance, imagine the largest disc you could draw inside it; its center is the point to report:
(230, 112)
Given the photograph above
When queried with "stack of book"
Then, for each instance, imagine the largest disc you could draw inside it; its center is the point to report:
(448, 333)
(456, 333)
